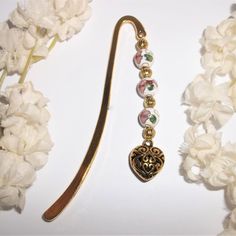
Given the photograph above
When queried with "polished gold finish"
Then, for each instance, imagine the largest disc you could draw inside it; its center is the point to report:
(146, 161)
(76, 183)
(142, 43)
(148, 133)
(145, 72)
(149, 102)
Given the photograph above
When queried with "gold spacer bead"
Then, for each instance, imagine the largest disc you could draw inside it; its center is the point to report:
(142, 43)
(145, 72)
(148, 133)
(149, 102)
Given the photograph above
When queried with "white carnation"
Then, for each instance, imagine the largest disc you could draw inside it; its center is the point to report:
(206, 101)
(15, 176)
(210, 105)
(25, 102)
(13, 54)
(219, 45)
(25, 141)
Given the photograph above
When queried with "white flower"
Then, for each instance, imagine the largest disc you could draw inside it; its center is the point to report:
(25, 102)
(38, 18)
(199, 150)
(210, 106)
(72, 14)
(32, 27)
(15, 176)
(47, 18)
(23, 124)
(24, 141)
(13, 54)
(208, 101)
(192, 168)
(219, 46)
(230, 229)
(201, 146)
(222, 169)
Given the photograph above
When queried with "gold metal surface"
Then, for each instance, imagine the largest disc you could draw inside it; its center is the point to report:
(76, 183)
(149, 101)
(145, 72)
(146, 161)
(142, 43)
(148, 133)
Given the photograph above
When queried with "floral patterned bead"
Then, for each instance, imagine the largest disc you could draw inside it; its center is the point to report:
(142, 58)
(148, 116)
(147, 87)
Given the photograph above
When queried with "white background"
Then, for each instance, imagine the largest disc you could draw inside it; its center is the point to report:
(112, 200)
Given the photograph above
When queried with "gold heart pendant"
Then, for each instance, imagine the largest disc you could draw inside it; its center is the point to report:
(146, 161)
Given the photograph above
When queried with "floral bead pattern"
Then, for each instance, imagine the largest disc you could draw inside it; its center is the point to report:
(143, 58)
(148, 116)
(147, 87)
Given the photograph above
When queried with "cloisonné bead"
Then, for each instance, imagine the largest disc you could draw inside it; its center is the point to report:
(148, 117)
(143, 57)
(147, 87)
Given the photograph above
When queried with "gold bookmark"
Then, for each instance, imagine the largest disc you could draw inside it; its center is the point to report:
(145, 160)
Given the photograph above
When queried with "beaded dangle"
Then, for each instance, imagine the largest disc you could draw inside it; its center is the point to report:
(146, 160)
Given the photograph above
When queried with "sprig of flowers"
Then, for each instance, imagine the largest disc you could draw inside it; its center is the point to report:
(27, 37)
(211, 102)
(33, 29)
(24, 142)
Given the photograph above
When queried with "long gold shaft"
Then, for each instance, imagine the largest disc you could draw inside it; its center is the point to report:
(52, 212)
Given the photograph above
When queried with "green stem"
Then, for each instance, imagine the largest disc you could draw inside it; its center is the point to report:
(28, 62)
(53, 43)
(3, 76)
(31, 59)
(51, 46)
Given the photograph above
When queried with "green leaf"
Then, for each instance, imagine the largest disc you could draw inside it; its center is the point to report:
(149, 57)
(153, 119)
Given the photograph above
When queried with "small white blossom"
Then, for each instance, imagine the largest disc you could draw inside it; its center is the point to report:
(13, 54)
(222, 169)
(15, 176)
(208, 101)
(47, 18)
(200, 149)
(72, 14)
(219, 48)
(210, 105)
(33, 25)
(24, 140)
(25, 102)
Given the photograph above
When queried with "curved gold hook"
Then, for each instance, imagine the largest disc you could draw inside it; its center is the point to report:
(52, 212)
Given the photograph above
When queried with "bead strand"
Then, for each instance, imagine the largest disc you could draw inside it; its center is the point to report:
(146, 89)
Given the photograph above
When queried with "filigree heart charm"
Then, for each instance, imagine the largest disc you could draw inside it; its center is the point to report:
(146, 161)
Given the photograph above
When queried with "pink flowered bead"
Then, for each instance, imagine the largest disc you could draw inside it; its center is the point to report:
(143, 57)
(147, 87)
(148, 116)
